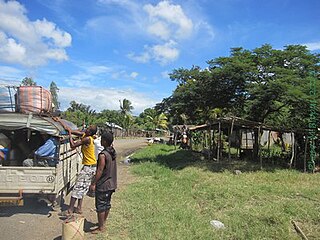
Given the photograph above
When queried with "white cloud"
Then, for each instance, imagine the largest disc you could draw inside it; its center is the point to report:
(29, 43)
(106, 98)
(171, 18)
(49, 30)
(98, 69)
(313, 46)
(162, 53)
(10, 50)
(165, 53)
(159, 29)
(142, 58)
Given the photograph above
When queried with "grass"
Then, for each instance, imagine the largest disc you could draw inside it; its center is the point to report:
(177, 194)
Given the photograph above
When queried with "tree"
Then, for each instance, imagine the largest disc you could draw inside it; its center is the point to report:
(125, 110)
(159, 121)
(125, 106)
(28, 81)
(265, 85)
(54, 93)
(111, 116)
(80, 114)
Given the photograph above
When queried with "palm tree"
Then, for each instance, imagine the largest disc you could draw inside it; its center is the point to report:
(125, 106)
(125, 110)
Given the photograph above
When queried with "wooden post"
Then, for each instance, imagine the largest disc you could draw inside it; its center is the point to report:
(203, 139)
(213, 142)
(239, 145)
(210, 142)
(175, 139)
(295, 151)
(259, 150)
(229, 151)
(219, 143)
(256, 144)
(229, 142)
(269, 134)
(305, 155)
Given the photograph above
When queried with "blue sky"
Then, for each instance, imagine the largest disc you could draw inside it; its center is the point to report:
(101, 51)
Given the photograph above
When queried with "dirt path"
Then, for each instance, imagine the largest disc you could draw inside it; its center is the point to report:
(36, 221)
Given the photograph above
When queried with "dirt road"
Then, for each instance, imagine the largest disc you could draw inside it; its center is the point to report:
(36, 221)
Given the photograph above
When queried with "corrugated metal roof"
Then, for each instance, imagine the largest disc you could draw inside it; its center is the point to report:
(15, 121)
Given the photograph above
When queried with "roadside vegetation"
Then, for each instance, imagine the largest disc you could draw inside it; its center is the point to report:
(177, 194)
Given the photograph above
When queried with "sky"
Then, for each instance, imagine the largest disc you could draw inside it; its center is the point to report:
(101, 51)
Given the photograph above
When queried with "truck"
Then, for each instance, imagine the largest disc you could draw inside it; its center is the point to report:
(22, 133)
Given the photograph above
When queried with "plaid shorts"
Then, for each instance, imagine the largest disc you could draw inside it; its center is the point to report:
(83, 181)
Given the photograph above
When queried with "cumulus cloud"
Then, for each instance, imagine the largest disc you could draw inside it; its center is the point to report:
(165, 53)
(26, 42)
(169, 19)
(162, 53)
(168, 24)
(104, 98)
(159, 29)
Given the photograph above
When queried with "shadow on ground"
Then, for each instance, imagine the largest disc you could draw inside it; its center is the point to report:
(31, 205)
(178, 159)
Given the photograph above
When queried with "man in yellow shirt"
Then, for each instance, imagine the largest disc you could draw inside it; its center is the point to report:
(89, 162)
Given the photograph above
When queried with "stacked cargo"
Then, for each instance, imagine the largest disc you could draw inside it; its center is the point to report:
(34, 99)
(25, 99)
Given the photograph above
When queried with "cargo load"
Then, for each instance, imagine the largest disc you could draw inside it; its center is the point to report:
(33, 99)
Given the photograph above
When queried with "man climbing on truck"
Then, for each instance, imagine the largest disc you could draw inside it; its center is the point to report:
(89, 162)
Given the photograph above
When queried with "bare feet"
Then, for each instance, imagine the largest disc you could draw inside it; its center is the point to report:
(78, 211)
(65, 213)
(97, 231)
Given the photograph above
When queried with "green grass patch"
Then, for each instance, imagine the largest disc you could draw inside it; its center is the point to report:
(177, 195)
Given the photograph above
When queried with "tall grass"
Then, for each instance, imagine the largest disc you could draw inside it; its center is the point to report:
(177, 195)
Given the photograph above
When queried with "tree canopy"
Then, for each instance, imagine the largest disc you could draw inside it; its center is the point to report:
(264, 84)
(28, 81)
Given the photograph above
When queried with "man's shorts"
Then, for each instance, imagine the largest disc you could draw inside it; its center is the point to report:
(83, 181)
(103, 200)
